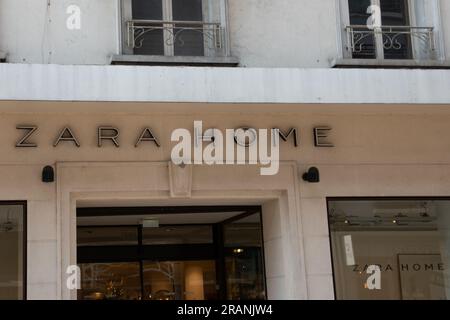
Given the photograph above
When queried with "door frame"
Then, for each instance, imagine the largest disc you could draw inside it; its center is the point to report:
(79, 183)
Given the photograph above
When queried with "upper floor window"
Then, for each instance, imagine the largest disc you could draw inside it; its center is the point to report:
(175, 28)
(403, 30)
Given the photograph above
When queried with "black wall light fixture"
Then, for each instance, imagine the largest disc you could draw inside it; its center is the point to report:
(312, 175)
(48, 174)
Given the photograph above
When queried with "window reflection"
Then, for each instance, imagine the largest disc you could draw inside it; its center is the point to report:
(107, 235)
(408, 240)
(220, 260)
(396, 13)
(358, 17)
(244, 259)
(180, 280)
(393, 44)
(11, 252)
(176, 234)
(110, 281)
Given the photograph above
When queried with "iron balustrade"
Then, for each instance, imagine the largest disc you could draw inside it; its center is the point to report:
(359, 36)
(213, 33)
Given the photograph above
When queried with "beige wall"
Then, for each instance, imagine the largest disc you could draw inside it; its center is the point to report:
(373, 134)
(380, 151)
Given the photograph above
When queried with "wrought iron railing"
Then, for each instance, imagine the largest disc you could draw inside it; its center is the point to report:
(213, 33)
(391, 36)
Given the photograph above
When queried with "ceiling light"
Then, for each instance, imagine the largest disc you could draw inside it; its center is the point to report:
(150, 223)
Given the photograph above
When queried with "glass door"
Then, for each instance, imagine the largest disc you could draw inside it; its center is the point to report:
(243, 258)
(180, 280)
(205, 256)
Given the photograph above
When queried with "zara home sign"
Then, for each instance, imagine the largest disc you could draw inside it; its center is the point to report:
(111, 134)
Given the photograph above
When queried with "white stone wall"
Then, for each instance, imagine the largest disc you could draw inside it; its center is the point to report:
(224, 85)
(263, 33)
(33, 32)
(286, 33)
(23, 182)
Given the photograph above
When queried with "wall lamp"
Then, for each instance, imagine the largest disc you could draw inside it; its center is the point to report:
(312, 175)
(48, 174)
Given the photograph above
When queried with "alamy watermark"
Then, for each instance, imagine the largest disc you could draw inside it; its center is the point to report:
(374, 20)
(231, 147)
(73, 21)
(73, 281)
(373, 282)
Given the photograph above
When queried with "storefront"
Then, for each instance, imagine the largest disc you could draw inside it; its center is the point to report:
(171, 253)
(95, 212)
(91, 183)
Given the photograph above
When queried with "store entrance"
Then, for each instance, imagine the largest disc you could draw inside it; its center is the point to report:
(171, 253)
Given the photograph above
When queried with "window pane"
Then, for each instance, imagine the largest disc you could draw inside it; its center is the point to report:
(107, 236)
(395, 13)
(244, 233)
(11, 252)
(180, 280)
(110, 281)
(408, 240)
(365, 43)
(188, 42)
(152, 41)
(147, 10)
(244, 259)
(358, 11)
(187, 10)
(177, 235)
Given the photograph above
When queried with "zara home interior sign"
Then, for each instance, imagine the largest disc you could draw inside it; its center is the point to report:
(29, 136)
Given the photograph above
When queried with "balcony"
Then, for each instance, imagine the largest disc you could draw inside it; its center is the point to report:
(212, 33)
(391, 46)
(175, 32)
(392, 38)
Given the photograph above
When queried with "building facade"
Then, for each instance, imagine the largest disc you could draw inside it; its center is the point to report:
(353, 93)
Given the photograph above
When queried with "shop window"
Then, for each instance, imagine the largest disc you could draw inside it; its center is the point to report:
(390, 249)
(12, 251)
